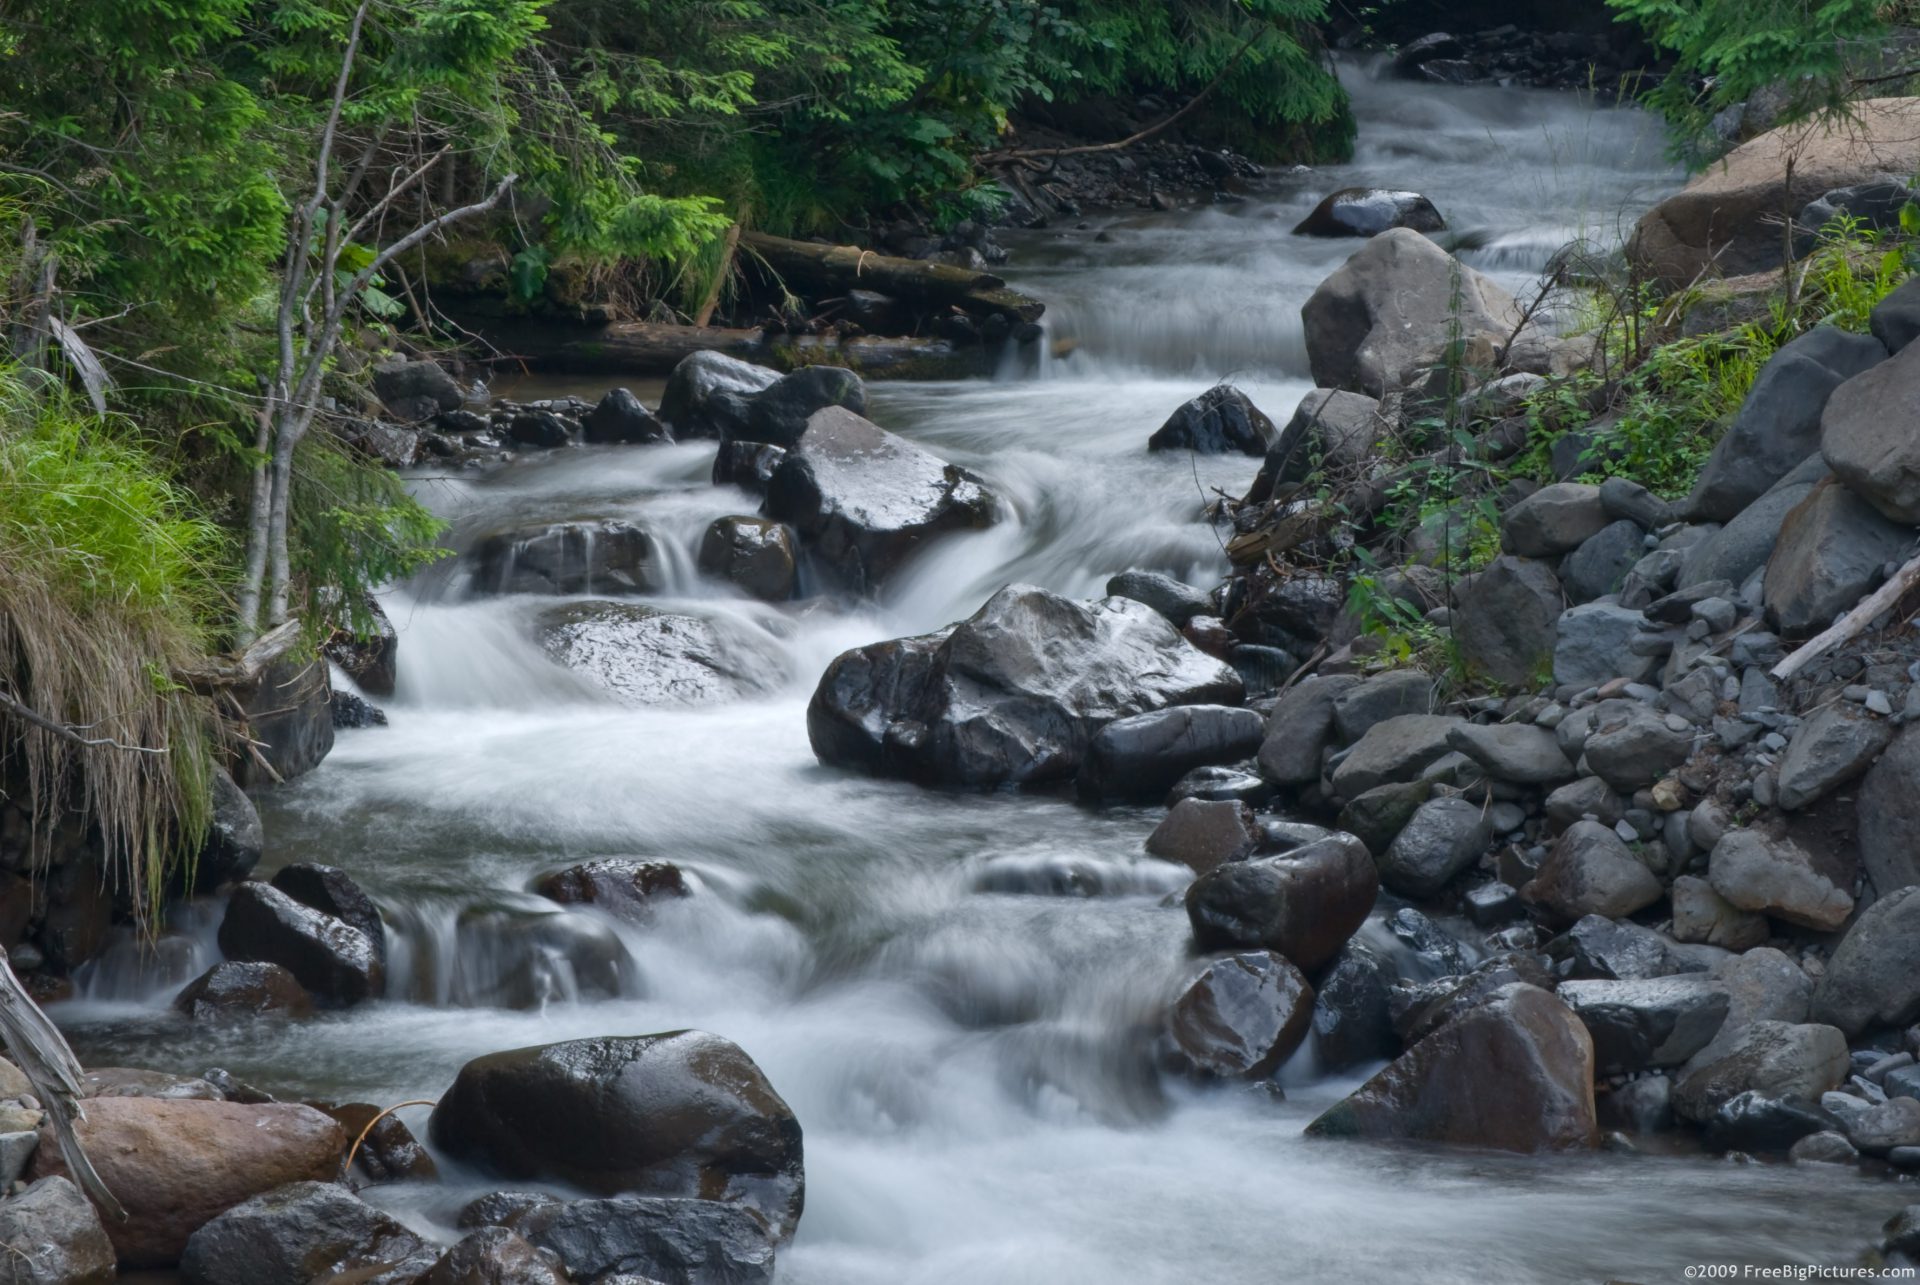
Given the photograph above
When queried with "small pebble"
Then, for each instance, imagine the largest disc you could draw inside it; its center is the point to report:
(1877, 702)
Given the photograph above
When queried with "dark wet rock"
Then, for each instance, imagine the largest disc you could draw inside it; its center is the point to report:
(1140, 757)
(1754, 1122)
(1352, 1013)
(1640, 1106)
(1331, 429)
(679, 1113)
(301, 1234)
(1873, 206)
(1517, 752)
(759, 556)
(1600, 565)
(1649, 1023)
(863, 500)
(371, 656)
(176, 1164)
(1587, 797)
(608, 558)
(1243, 1016)
(699, 1242)
(1176, 601)
(1504, 620)
(288, 707)
(747, 465)
(1603, 948)
(539, 430)
(642, 656)
(1777, 877)
(352, 712)
(779, 413)
(1369, 211)
(1555, 519)
(1824, 1147)
(1220, 421)
(1831, 746)
(1895, 320)
(334, 961)
(388, 1150)
(50, 1234)
(1377, 816)
(501, 1208)
(1420, 1009)
(235, 839)
(1294, 614)
(619, 417)
(1304, 904)
(1012, 695)
(229, 990)
(415, 390)
(1873, 978)
(1778, 425)
(496, 1256)
(1443, 838)
(1374, 700)
(707, 395)
(1863, 440)
(1703, 916)
(332, 891)
(525, 953)
(1591, 871)
(1298, 730)
(1394, 751)
(1220, 784)
(1515, 1074)
(1831, 550)
(1774, 1059)
(1493, 904)
(1201, 835)
(1887, 812)
(624, 888)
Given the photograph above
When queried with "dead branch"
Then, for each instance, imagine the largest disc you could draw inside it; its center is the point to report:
(1843, 629)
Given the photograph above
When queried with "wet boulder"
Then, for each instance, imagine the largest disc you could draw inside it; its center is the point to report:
(1520, 753)
(1377, 699)
(1178, 602)
(1514, 1074)
(1873, 978)
(1442, 838)
(1369, 211)
(756, 555)
(778, 413)
(642, 656)
(863, 500)
(1640, 1024)
(50, 1234)
(1620, 949)
(607, 558)
(175, 1164)
(235, 840)
(707, 395)
(1142, 756)
(1336, 428)
(643, 1238)
(497, 1256)
(747, 465)
(1304, 904)
(1393, 751)
(1298, 730)
(626, 889)
(1831, 550)
(682, 1113)
(620, 418)
(1777, 877)
(1775, 1059)
(1352, 1010)
(1012, 695)
(520, 953)
(369, 656)
(300, 1234)
(1754, 1122)
(1220, 421)
(1591, 871)
(286, 694)
(1389, 310)
(1242, 1017)
(334, 961)
(388, 1150)
(229, 990)
(332, 891)
(415, 390)
(1201, 834)
(539, 429)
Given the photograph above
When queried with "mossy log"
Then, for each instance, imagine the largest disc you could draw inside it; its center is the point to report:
(647, 348)
(808, 267)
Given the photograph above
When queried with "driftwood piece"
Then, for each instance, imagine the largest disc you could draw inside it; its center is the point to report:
(835, 269)
(36, 1044)
(1879, 601)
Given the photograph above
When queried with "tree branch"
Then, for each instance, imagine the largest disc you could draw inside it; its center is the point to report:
(27, 714)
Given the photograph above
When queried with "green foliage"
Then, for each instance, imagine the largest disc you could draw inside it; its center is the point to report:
(354, 529)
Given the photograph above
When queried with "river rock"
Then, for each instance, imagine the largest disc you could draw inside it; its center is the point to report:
(1762, 985)
(496, 1256)
(1220, 783)
(235, 840)
(388, 1150)
(747, 465)
(1443, 838)
(1634, 745)
(1012, 695)
(778, 414)
(1390, 309)
(1895, 320)
(707, 395)
(288, 705)
(1504, 620)
(607, 558)
(1741, 547)
(414, 390)
(1593, 644)
(525, 953)
(863, 500)
(1886, 1125)
(1377, 816)
(1873, 978)
(1774, 1059)
(1776, 877)
(1202, 834)
(176, 1163)
(334, 961)
(679, 1113)
(332, 891)
(136, 1082)
(370, 657)
(643, 656)
(1587, 797)
(1515, 1074)
(619, 417)
(1394, 750)
(229, 990)
(1142, 756)
(1332, 428)
(1305, 903)
(1369, 211)
(1298, 730)
(1220, 421)
(1243, 1016)
(1601, 563)
(1374, 700)
(1176, 601)
(1555, 519)
(1352, 1010)
(1294, 614)
(1751, 1122)
(1518, 752)
(1703, 916)
(625, 889)
(1831, 746)
(1597, 947)
(1887, 813)
(539, 429)
(1726, 222)
(758, 556)
(1640, 1024)
(1860, 437)
(300, 1234)
(699, 1242)
(1590, 871)
(1831, 550)
(1778, 425)
(50, 1234)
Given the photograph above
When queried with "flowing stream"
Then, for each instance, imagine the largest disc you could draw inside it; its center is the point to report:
(957, 994)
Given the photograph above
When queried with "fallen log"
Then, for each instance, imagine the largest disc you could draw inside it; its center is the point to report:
(835, 269)
(1856, 620)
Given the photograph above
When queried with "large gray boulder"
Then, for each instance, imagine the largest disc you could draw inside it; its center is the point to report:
(1141, 757)
(1831, 746)
(1304, 904)
(707, 395)
(1520, 753)
(1742, 546)
(1298, 730)
(1593, 644)
(1555, 519)
(1012, 695)
(1332, 428)
(1830, 553)
(1600, 565)
(779, 413)
(682, 1113)
(1887, 815)
(1389, 310)
(1393, 751)
(302, 1233)
(1504, 620)
(1779, 423)
(1774, 1059)
(1873, 978)
(1242, 1016)
(1443, 838)
(647, 1238)
(1632, 744)
(1864, 436)
(1221, 421)
(1777, 877)
(51, 1235)
(864, 500)
(643, 656)
(1656, 1022)
(1374, 700)
(1590, 871)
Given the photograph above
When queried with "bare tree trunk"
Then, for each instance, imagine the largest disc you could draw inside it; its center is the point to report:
(257, 530)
